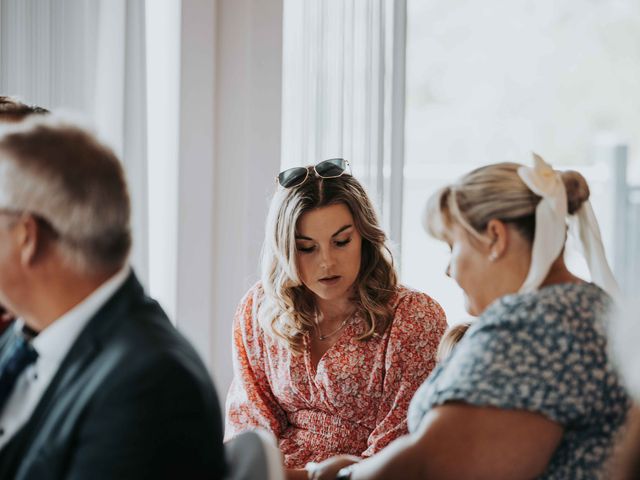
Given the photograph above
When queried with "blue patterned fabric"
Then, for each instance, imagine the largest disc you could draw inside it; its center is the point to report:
(543, 352)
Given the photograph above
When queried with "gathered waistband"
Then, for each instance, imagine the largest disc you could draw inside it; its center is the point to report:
(326, 424)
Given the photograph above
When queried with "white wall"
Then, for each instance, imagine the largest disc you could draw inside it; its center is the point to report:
(163, 100)
(229, 155)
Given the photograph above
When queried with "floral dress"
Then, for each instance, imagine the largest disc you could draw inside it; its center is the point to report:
(354, 402)
(543, 352)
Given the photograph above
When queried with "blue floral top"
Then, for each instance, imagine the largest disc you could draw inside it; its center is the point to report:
(543, 352)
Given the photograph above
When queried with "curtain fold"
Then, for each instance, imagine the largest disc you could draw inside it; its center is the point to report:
(342, 92)
(87, 56)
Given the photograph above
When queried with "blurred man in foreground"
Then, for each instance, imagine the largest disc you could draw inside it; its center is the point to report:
(13, 110)
(95, 382)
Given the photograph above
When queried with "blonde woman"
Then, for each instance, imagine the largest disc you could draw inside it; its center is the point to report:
(328, 348)
(530, 391)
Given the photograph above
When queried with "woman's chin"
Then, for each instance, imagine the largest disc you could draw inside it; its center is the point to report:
(471, 307)
(332, 292)
(327, 294)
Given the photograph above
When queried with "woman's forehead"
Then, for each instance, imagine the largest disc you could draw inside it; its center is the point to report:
(322, 220)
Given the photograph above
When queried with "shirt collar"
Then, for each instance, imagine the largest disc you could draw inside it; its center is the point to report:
(53, 343)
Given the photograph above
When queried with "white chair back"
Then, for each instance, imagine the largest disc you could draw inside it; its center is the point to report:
(254, 455)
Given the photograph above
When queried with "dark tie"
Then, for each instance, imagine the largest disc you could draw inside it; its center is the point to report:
(20, 356)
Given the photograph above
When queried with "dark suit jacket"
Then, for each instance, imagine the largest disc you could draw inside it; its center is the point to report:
(131, 400)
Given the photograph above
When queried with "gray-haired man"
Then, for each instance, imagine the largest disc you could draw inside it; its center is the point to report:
(94, 380)
(13, 110)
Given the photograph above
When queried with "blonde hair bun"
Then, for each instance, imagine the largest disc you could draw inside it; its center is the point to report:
(577, 190)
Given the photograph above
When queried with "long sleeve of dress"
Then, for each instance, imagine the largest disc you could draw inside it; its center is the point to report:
(417, 328)
(250, 401)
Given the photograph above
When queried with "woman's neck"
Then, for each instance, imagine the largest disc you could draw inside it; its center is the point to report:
(559, 273)
(331, 311)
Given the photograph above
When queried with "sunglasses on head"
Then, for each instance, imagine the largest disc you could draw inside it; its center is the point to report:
(332, 168)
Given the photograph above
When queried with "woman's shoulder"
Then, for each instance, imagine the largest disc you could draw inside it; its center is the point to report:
(254, 296)
(557, 297)
(407, 297)
(564, 306)
(411, 306)
(246, 313)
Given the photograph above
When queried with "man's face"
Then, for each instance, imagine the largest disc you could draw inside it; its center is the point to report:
(10, 270)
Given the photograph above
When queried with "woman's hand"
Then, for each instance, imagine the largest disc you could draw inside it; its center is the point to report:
(328, 469)
(296, 474)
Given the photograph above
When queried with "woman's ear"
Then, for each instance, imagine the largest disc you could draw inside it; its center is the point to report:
(498, 234)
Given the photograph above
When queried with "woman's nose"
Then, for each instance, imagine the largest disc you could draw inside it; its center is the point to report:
(326, 257)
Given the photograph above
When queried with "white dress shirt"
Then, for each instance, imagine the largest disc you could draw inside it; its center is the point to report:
(52, 345)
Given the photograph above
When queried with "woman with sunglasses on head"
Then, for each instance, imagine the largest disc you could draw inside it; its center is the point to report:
(530, 390)
(328, 348)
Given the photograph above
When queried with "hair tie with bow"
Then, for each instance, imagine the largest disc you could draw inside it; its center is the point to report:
(551, 225)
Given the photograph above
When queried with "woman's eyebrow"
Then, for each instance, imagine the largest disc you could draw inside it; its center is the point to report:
(341, 229)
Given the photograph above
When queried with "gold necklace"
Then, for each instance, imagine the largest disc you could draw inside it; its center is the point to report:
(321, 337)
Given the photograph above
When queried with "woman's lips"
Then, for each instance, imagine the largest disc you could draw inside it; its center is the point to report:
(328, 281)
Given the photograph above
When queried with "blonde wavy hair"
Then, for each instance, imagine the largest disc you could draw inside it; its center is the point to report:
(288, 309)
(494, 192)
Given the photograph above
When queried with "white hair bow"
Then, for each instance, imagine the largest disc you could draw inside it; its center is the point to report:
(550, 232)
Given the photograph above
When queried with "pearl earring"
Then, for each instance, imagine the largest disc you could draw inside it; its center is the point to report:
(493, 256)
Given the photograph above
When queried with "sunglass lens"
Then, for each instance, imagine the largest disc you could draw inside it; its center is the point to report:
(292, 177)
(331, 168)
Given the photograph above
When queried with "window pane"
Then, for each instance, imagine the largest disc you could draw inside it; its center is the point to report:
(491, 81)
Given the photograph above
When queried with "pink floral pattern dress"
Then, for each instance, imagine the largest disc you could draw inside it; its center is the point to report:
(354, 402)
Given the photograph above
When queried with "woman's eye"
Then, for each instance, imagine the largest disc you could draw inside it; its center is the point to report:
(342, 243)
(305, 249)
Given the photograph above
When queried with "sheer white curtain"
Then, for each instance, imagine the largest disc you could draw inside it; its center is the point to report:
(343, 92)
(201, 154)
(89, 57)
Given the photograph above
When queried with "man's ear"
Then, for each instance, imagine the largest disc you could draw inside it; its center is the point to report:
(498, 234)
(29, 239)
